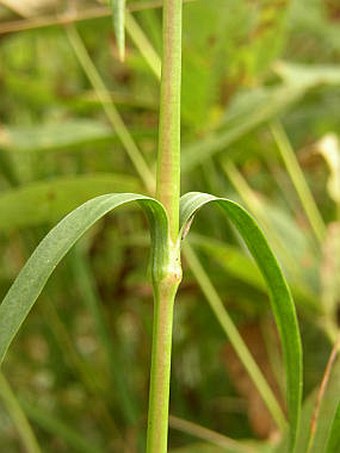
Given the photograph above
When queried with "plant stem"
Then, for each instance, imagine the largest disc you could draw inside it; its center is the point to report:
(168, 161)
(167, 271)
(158, 415)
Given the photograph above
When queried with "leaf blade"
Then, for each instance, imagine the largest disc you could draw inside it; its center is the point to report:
(34, 275)
(281, 300)
(48, 201)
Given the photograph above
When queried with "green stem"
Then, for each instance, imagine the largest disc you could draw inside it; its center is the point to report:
(168, 161)
(167, 271)
(158, 415)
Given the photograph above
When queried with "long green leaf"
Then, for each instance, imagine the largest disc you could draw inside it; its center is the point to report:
(48, 201)
(250, 109)
(56, 136)
(282, 303)
(34, 275)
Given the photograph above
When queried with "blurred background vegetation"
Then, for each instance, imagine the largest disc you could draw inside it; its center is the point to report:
(261, 121)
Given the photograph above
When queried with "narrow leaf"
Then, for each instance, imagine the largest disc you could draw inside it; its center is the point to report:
(18, 417)
(47, 137)
(34, 275)
(118, 12)
(325, 420)
(54, 425)
(48, 201)
(282, 303)
(252, 108)
(334, 436)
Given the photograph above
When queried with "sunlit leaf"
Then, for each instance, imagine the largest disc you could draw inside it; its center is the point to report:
(252, 108)
(49, 201)
(54, 136)
(118, 12)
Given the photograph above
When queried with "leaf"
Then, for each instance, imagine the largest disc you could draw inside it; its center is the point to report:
(198, 448)
(249, 446)
(34, 275)
(215, 439)
(251, 108)
(329, 148)
(308, 75)
(330, 272)
(281, 300)
(334, 435)
(244, 115)
(54, 136)
(241, 267)
(325, 418)
(226, 45)
(118, 13)
(52, 424)
(49, 201)
(231, 259)
(18, 417)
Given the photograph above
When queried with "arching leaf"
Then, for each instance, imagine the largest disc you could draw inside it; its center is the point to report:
(34, 275)
(282, 302)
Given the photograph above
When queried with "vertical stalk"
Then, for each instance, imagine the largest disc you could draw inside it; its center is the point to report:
(168, 161)
(167, 270)
(158, 416)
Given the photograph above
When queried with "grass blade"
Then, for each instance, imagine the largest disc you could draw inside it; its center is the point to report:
(325, 418)
(334, 436)
(110, 109)
(118, 14)
(282, 303)
(212, 437)
(54, 425)
(49, 201)
(33, 277)
(141, 41)
(298, 179)
(18, 417)
(234, 336)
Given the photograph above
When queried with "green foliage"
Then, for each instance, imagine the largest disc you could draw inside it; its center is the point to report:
(53, 248)
(260, 99)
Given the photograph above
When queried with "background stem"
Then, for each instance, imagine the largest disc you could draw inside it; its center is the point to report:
(18, 416)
